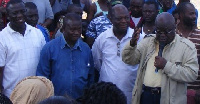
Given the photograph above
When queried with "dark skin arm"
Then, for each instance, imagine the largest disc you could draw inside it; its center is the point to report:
(90, 41)
(1, 78)
(91, 12)
(87, 6)
(135, 37)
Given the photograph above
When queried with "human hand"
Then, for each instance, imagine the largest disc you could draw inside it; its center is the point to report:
(135, 37)
(160, 62)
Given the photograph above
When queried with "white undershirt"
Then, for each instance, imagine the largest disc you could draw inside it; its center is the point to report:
(136, 20)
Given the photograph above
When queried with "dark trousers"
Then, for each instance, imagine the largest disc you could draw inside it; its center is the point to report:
(150, 95)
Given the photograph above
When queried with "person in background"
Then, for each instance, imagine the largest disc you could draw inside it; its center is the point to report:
(44, 10)
(167, 6)
(3, 4)
(187, 28)
(136, 13)
(32, 19)
(32, 90)
(103, 93)
(59, 5)
(162, 79)
(72, 8)
(182, 1)
(100, 24)
(150, 11)
(97, 8)
(67, 61)
(20, 46)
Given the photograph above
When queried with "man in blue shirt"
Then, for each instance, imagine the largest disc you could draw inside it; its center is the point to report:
(167, 6)
(67, 60)
(32, 19)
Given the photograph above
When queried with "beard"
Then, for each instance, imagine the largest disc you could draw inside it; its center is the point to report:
(189, 22)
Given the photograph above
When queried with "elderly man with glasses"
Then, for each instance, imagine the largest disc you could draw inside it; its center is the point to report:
(167, 63)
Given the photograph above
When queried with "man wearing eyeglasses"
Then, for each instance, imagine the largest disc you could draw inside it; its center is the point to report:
(20, 46)
(163, 74)
(107, 50)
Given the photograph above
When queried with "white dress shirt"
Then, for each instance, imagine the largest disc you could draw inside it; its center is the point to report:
(106, 52)
(19, 55)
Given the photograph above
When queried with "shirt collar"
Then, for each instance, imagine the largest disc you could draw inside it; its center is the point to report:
(111, 33)
(175, 38)
(11, 31)
(65, 44)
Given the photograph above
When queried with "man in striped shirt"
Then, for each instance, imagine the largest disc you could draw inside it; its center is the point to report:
(187, 26)
(188, 29)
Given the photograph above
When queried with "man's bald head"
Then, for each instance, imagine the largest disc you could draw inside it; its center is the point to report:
(165, 28)
(117, 8)
(165, 19)
(120, 18)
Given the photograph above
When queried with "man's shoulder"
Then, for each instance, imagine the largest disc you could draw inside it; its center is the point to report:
(6, 33)
(104, 35)
(53, 42)
(3, 31)
(84, 45)
(187, 42)
(31, 28)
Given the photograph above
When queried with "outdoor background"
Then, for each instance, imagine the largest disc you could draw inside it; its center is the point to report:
(195, 2)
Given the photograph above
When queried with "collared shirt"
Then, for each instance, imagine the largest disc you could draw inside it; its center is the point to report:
(152, 78)
(106, 52)
(97, 26)
(44, 32)
(135, 22)
(19, 54)
(169, 10)
(70, 69)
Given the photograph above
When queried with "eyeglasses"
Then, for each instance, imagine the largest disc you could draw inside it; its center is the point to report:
(165, 32)
(118, 49)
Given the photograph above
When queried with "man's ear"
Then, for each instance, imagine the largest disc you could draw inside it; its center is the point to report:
(180, 15)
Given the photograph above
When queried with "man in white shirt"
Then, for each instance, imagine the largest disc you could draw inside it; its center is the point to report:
(20, 46)
(107, 50)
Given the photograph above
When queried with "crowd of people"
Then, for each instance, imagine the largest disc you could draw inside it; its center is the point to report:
(124, 52)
